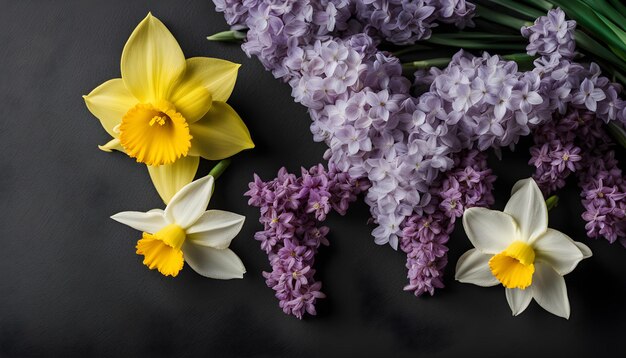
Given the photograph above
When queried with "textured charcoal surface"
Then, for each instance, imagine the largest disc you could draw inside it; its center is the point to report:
(71, 284)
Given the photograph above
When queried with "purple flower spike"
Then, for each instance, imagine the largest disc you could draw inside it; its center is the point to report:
(424, 237)
(291, 209)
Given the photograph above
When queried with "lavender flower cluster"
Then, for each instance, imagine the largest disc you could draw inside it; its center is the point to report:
(405, 22)
(574, 141)
(577, 143)
(551, 35)
(362, 108)
(424, 237)
(291, 208)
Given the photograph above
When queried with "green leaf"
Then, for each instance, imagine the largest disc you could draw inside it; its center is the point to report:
(540, 4)
(500, 18)
(619, 6)
(516, 6)
(598, 50)
(621, 35)
(602, 7)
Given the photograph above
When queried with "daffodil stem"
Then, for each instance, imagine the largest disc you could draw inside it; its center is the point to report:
(552, 202)
(219, 168)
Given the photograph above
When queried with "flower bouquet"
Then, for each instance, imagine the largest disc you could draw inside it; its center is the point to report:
(412, 133)
(408, 132)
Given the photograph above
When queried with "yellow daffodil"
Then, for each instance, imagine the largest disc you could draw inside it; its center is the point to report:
(185, 232)
(167, 111)
(516, 248)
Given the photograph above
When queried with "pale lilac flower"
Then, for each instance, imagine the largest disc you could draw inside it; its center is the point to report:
(588, 95)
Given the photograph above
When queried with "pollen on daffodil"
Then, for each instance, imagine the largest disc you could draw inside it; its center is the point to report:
(167, 111)
(516, 248)
(185, 232)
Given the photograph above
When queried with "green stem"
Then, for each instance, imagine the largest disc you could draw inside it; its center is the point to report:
(219, 168)
(411, 49)
(476, 35)
(520, 58)
(552, 202)
(472, 44)
(433, 62)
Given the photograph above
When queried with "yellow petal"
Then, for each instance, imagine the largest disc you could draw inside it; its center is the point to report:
(152, 61)
(113, 144)
(158, 255)
(217, 76)
(220, 134)
(109, 102)
(204, 79)
(169, 179)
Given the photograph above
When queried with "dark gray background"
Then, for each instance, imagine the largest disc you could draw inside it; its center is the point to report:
(71, 284)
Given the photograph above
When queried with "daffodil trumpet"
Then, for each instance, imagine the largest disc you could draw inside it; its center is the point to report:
(185, 232)
(516, 248)
(167, 111)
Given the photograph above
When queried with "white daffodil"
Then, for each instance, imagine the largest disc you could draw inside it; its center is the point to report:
(517, 249)
(185, 232)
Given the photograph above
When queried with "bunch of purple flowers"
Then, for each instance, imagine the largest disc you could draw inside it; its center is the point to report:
(362, 107)
(291, 210)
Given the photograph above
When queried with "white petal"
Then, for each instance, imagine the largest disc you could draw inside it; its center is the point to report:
(528, 208)
(490, 231)
(557, 250)
(584, 249)
(215, 228)
(190, 202)
(518, 299)
(549, 290)
(473, 267)
(213, 263)
(149, 222)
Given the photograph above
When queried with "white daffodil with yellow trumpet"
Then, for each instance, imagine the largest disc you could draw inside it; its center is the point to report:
(516, 248)
(167, 111)
(186, 232)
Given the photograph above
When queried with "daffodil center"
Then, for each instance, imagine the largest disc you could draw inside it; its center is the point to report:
(159, 119)
(172, 235)
(514, 267)
(155, 133)
(161, 250)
